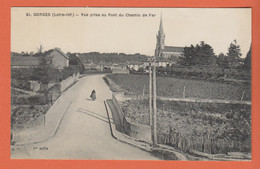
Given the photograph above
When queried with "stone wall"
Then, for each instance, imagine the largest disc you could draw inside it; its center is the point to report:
(138, 131)
(67, 82)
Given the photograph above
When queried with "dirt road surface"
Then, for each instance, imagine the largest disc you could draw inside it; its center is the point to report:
(84, 131)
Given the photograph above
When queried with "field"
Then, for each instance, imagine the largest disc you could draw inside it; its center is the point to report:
(174, 87)
(209, 127)
(206, 127)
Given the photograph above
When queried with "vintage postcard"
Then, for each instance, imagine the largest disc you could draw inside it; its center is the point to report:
(131, 83)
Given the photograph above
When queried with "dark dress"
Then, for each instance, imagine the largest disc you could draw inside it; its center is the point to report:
(93, 95)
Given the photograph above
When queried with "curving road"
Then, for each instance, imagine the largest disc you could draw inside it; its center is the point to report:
(84, 131)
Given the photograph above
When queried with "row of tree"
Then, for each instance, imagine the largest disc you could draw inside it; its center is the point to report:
(203, 55)
(96, 57)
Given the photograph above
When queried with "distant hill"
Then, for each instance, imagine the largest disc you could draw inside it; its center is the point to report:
(96, 57)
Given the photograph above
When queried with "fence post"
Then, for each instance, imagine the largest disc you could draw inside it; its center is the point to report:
(143, 90)
(242, 96)
(183, 93)
(44, 120)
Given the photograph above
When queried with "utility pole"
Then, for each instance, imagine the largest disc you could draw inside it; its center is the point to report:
(150, 93)
(154, 122)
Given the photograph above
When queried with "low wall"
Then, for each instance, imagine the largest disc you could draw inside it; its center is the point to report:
(120, 71)
(139, 131)
(67, 82)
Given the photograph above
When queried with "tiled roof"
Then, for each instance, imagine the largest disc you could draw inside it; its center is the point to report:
(50, 51)
(35, 60)
(174, 49)
(25, 61)
(63, 54)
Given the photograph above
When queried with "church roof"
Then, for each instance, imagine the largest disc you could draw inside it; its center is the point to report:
(174, 49)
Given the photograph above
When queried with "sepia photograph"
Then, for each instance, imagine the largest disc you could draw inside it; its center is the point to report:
(96, 83)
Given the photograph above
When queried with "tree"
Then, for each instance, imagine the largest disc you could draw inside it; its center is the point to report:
(247, 61)
(222, 60)
(200, 55)
(189, 55)
(234, 53)
(40, 49)
(45, 72)
(205, 54)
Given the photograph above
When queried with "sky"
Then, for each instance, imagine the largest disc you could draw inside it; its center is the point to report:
(127, 30)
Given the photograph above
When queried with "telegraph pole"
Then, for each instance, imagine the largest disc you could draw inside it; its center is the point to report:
(154, 120)
(150, 93)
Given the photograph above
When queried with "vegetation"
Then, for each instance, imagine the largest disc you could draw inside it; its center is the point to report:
(75, 63)
(247, 61)
(174, 87)
(27, 116)
(233, 55)
(201, 54)
(207, 127)
(96, 57)
(210, 73)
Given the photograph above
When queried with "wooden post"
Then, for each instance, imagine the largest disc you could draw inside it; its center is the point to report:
(150, 93)
(143, 89)
(44, 120)
(183, 93)
(242, 96)
(154, 126)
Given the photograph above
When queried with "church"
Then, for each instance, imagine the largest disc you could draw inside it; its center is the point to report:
(166, 52)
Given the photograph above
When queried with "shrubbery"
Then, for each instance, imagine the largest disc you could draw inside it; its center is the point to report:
(213, 73)
(21, 74)
(21, 84)
(27, 100)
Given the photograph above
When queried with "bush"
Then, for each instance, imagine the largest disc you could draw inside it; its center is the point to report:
(68, 71)
(25, 100)
(204, 72)
(21, 84)
(21, 73)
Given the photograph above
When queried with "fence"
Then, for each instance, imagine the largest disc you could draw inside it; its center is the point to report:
(205, 144)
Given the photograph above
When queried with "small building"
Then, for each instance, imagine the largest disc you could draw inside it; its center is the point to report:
(59, 59)
(135, 65)
(120, 69)
(105, 66)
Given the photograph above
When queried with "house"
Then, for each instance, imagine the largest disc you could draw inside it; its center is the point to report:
(104, 66)
(120, 69)
(59, 59)
(135, 65)
(163, 63)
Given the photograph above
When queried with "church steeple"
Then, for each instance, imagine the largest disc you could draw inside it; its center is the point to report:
(161, 27)
(160, 40)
